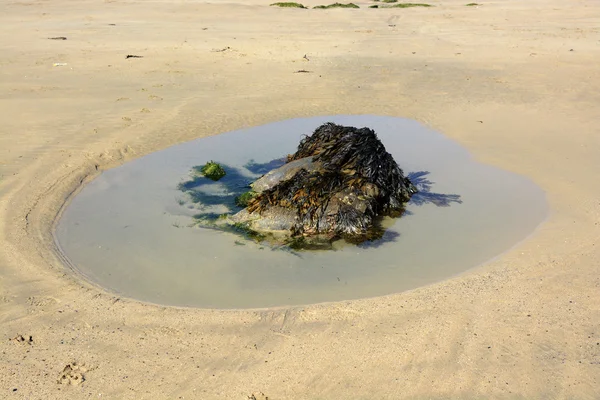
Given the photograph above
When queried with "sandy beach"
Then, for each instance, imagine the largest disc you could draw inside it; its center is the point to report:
(517, 83)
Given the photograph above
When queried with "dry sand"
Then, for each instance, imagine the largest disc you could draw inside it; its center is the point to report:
(518, 83)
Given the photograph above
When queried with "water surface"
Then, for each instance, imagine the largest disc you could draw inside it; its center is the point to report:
(128, 230)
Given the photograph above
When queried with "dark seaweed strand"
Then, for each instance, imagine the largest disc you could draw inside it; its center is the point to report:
(357, 152)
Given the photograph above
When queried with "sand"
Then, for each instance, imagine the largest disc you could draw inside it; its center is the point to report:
(517, 83)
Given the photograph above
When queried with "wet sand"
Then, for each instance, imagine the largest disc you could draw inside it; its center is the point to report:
(515, 83)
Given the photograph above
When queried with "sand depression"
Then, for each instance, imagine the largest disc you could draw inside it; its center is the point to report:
(129, 229)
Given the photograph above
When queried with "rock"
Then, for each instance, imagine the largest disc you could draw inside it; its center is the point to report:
(283, 173)
(340, 183)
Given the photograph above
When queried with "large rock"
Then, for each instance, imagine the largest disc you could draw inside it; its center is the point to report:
(339, 184)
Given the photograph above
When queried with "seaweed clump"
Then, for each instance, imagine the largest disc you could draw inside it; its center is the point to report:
(288, 5)
(243, 199)
(340, 183)
(395, 4)
(212, 170)
(337, 5)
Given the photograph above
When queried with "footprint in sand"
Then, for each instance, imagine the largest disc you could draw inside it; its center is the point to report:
(258, 396)
(27, 339)
(72, 374)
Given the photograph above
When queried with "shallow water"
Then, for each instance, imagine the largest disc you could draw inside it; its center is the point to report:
(128, 230)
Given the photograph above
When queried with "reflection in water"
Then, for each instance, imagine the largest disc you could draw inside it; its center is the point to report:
(388, 236)
(205, 192)
(424, 194)
(261, 169)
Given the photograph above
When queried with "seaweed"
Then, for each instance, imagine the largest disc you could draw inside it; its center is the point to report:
(337, 5)
(243, 199)
(211, 170)
(288, 5)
